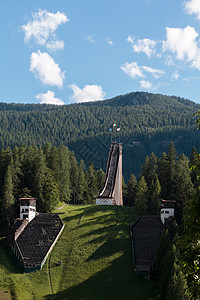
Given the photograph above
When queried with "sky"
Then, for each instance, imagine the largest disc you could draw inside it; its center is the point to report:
(69, 51)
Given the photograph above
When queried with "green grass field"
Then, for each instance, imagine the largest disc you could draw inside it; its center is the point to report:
(92, 260)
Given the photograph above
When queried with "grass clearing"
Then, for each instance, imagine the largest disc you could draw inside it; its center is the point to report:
(92, 260)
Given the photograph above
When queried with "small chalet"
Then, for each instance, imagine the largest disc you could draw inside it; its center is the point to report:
(145, 235)
(33, 236)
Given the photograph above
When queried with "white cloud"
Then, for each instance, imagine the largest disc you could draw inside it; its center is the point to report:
(91, 39)
(49, 98)
(182, 42)
(109, 41)
(55, 45)
(193, 7)
(43, 26)
(175, 75)
(144, 45)
(44, 68)
(145, 85)
(154, 72)
(132, 69)
(87, 94)
(169, 60)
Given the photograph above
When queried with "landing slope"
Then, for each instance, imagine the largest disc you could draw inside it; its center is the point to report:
(92, 260)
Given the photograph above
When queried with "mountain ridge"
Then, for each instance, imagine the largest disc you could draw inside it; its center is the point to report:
(148, 123)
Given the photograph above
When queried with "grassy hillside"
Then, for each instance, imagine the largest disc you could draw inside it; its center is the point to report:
(92, 260)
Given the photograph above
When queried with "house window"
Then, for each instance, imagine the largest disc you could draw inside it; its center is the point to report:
(167, 212)
(25, 216)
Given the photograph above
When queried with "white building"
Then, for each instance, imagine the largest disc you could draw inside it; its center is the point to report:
(167, 210)
(27, 208)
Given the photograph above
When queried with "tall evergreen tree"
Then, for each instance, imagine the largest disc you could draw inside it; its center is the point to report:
(141, 197)
(5, 159)
(170, 172)
(149, 169)
(194, 162)
(177, 288)
(124, 191)
(166, 172)
(131, 190)
(166, 269)
(8, 197)
(45, 187)
(91, 183)
(82, 184)
(100, 180)
(63, 176)
(182, 185)
(154, 192)
(73, 178)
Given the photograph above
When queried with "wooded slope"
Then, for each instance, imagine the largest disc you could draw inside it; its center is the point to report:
(148, 122)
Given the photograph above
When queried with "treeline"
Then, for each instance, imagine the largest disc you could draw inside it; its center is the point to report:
(176, 178)
(50, 174)
(134, 113)
(148, 123)
(168, 177)
(53, 174)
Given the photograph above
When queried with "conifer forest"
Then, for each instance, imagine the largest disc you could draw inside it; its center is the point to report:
(58, 154)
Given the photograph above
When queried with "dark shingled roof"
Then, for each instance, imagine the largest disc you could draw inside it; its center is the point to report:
(13, 230)
(146, 233)
(36, 239)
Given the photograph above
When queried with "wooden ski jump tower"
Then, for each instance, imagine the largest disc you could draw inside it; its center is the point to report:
(111, 193)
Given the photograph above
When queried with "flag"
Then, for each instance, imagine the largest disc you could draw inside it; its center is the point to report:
(114, 124)
(118, 129)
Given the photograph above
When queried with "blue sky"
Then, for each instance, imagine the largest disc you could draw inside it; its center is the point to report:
(63, 52)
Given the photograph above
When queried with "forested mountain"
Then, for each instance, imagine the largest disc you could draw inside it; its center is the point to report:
(148, 122)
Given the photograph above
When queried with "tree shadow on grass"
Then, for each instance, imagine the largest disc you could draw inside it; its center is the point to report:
(7, 261)
(116, 282)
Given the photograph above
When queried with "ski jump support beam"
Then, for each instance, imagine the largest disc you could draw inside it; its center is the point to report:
(111, 193)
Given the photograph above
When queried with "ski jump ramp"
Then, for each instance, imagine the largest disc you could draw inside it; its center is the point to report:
(111, 193)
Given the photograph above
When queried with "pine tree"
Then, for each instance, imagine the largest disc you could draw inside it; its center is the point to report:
(47, 152)
(100, 179)
(166, 269)
(45, 187)
(82, 184)
(131, 190)
(141, 197)
(28, 158)
(149, 169)
(7, 196)
(192, 164)
(162, 170)
(182, 185)
(63, 176)
(166, 172)
(73, 179)
(170, 174)
(53, 161)
(165, 243)
(91, 183)
(5, 159)
(124, 191)
(154, 192)
(177, 287)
